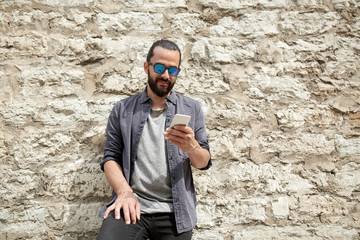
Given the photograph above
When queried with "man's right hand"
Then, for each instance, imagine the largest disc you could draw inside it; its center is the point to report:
(130, 205)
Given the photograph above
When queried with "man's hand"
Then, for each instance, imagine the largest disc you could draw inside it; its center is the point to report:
(184, 137)
(130, 205)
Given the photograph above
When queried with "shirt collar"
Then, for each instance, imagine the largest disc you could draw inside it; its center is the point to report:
(144, 96)
(171, 98)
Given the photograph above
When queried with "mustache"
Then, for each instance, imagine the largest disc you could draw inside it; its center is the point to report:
(163, 79)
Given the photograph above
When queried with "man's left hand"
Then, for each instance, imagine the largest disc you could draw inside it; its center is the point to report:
(183, 137)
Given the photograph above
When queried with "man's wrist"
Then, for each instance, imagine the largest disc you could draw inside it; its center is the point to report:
(123, 191)
(195, 148)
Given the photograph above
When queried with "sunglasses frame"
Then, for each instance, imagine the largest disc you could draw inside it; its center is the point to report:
(177, 71)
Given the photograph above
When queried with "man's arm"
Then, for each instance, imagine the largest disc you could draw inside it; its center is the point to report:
(126, 200)
(184, 138)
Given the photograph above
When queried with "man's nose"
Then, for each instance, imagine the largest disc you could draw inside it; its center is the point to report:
(166, 74)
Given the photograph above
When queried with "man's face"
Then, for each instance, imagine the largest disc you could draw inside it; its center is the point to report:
(160, 86)
(162, 83)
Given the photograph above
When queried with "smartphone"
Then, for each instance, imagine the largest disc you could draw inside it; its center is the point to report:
(180, 119)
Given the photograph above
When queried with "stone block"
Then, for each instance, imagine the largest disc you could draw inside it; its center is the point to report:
(119, 84)
(340, 70)
(295, 117)
(197, 80)
(188, 24)
(304, 143)
(208, 234)
(308, 23)
(229, 144)
(159, 5)
(348, 146)
(14, 47)
(223, 4)
(23, 221)
(336, 232)
(142, 22)
(19, 186)
(280, 208)
(341, 4)
(54, 82)
(283, 233)
(67, 3)
(69, 218)
(75, 180)
(67, 112)
(18, 113)
(223, 50)
(257, 24)
(280, 87)
(346, 181)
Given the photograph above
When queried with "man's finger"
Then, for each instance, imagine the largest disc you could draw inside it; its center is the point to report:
(117, 211)
(126, 214)
(108, 210)
(137, 207)
(174, 134)
(132, 212)
(183, 128)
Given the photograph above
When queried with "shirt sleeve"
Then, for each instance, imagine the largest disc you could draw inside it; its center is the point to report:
(114, 142)
(200, 133)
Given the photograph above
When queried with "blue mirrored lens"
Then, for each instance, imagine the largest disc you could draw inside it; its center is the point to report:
(158, 68)
(173, 71)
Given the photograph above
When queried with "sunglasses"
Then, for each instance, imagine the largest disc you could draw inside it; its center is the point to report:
(160, 68)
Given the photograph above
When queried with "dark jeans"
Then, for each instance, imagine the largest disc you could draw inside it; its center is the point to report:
(150, 226)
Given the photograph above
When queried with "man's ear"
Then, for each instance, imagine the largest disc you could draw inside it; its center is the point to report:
(146, 67)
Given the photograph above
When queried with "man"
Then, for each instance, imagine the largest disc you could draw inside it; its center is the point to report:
(147, 163)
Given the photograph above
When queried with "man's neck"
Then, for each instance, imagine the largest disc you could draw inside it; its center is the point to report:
(157, 102)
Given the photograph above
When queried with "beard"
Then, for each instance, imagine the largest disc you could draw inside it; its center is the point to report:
(161, 92)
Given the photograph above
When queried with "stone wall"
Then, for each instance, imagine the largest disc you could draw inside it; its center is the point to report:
(279, 82)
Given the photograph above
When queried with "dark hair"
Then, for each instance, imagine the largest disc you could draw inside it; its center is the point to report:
(167, 44)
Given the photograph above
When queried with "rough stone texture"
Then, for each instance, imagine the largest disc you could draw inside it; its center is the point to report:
(279, 82)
